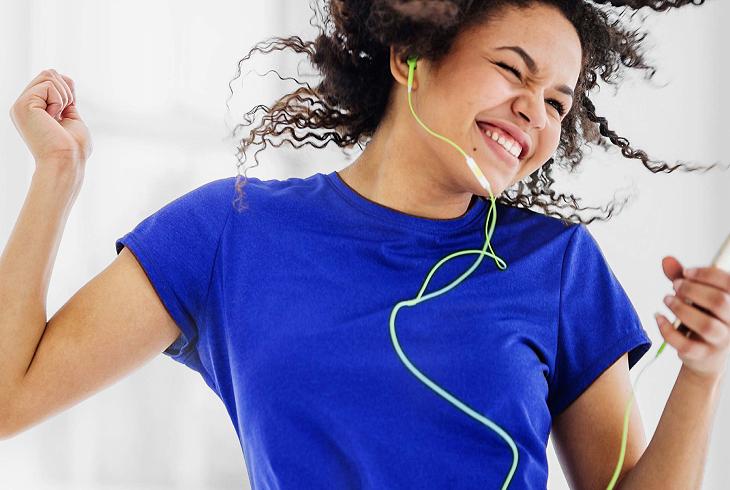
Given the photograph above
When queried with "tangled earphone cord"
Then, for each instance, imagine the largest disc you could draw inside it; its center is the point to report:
(419, 299)
(489, 230)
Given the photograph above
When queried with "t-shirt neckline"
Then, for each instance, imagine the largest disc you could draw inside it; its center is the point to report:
(400, 218)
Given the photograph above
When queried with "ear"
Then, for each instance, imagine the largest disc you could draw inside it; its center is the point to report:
(399, 69)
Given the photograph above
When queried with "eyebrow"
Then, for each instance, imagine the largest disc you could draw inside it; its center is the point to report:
(532, 66)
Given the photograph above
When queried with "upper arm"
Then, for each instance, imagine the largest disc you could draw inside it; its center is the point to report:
(587, 434)
(114, 324)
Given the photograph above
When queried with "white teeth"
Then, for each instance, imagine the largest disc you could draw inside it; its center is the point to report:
(511, 146)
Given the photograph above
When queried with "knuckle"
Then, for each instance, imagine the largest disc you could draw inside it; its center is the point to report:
(678, 304)
(711, 331)
(718, 301)
(707, 331)
(719, 330)
(724, 301)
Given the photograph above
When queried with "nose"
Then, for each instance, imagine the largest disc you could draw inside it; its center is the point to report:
(531, 108)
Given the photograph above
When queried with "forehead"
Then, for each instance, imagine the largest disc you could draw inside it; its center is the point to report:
(541, 30)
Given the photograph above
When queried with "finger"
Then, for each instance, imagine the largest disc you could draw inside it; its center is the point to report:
(72, 87)
(67, 89)
(44, 75)
(53, 98)
(65, 92)
(714, 276)
(686, 348)
(712, 299)
(672, 267)
(706, 326)
(53, 93)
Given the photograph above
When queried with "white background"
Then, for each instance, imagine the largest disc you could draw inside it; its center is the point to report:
(152, 82)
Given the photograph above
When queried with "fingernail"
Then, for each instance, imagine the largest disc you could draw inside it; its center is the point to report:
(690, 272)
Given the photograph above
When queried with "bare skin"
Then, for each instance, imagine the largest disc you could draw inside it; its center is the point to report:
(407, 169)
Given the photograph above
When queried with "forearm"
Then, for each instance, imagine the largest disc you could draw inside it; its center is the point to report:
(675, 457)
(26, 264)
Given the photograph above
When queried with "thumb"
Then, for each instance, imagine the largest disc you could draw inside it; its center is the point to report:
(672, 268)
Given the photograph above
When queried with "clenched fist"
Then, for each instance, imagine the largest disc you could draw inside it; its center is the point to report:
(48, 120)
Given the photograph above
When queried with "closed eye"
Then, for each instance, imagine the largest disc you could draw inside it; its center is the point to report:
(559, 106)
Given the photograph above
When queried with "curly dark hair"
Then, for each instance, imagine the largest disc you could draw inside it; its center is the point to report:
(352, 53)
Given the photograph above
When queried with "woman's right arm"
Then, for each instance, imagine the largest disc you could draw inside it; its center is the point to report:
(112, 325)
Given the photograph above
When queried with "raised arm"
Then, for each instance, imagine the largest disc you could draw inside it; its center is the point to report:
(115, 323)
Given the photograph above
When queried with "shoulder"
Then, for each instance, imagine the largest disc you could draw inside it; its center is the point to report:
(537, 230)
(278, 196)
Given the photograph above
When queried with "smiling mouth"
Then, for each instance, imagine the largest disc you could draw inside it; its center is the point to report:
(497, 148)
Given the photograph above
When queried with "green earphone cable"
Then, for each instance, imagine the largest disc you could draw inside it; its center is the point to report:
(624, 434)
(627, 412)
(489, 228)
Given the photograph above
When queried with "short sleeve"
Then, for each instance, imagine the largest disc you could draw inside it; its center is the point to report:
(177, 246)
(597, 322)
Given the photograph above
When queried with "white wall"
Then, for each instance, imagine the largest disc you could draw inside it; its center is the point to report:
(152, 80)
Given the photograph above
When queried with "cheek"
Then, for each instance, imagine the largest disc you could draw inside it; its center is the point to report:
(547, 144)
(477, 94)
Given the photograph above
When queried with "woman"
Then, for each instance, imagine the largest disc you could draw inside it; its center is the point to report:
(287, 309)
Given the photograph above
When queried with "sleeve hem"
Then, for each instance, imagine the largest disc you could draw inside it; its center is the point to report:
(153, 275)
(636, 344)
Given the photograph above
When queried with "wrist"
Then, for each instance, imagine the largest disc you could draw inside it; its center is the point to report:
(59, 175)
(710, 381)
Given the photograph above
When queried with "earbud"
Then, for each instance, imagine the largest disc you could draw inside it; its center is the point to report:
(412, 61)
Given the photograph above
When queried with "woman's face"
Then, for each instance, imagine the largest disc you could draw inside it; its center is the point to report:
(475, 83)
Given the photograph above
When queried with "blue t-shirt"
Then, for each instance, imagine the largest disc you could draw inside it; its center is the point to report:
(284, 310)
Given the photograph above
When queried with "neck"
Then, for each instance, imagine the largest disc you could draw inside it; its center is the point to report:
(392, 174)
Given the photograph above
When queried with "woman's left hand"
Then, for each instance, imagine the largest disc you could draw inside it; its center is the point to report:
(706, 352)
